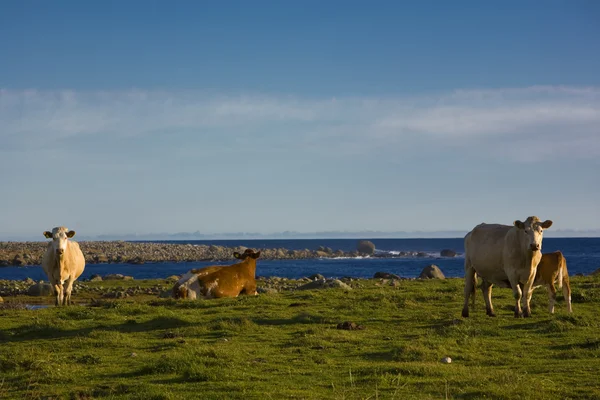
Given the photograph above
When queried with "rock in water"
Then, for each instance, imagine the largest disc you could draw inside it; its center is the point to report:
(365, 247)
(448, 253)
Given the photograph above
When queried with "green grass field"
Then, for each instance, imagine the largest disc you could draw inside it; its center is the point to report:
(286, 345)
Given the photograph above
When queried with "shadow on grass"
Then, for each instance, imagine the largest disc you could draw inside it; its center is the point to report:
(35, 331)
(588, 344)
(531, 326)
(380, 356)
(303, 318)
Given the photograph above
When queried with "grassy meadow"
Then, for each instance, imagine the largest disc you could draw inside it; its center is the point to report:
(287, 345)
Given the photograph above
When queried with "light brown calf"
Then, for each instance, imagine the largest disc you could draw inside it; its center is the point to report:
(552, 269)
(218, 281)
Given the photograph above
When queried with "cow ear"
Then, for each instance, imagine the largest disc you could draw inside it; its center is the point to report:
(237, 255)
(70, 234)
(48, 235)
(547, 224)
(256, 255)
(519, 224)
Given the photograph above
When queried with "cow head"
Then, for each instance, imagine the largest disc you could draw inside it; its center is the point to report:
(59, 237)
(533, 231)
(247, 253)
(180, 292)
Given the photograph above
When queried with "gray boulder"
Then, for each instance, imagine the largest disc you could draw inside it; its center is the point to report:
(325, 284)
(28, 281)
(117, 277)
(324, 249)
(40, 289)
(95, 278)
(267, 290)
(448, 253)
(365, 247)
(100, 258)
(385, 275)
(336, 283)
(432, 272)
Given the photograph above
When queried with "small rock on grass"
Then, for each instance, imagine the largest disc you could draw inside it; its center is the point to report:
(349, 326)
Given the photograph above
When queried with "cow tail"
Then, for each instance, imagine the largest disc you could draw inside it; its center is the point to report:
(561, 270)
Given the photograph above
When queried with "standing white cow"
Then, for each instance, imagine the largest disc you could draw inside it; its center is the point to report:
(63, 262)
(506, 256)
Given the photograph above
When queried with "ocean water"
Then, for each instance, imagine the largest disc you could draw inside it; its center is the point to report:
(582, 254)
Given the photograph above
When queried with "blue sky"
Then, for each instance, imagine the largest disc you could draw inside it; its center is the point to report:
(140, 116)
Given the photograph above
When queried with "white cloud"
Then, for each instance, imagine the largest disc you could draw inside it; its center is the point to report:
(548, 120)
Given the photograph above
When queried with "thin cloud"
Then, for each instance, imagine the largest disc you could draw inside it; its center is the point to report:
(534, 118)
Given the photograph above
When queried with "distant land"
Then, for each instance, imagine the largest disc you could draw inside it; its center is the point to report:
(367, 234)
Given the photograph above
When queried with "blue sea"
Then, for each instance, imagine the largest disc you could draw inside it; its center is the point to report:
(582, 254)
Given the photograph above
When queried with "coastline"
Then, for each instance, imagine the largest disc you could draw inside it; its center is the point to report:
(107, 252)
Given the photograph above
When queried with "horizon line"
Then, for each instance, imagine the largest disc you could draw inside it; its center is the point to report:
(294, 235)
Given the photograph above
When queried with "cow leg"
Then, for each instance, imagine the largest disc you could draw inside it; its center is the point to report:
(469, 287)
(69, 288)
(551, 296)
(528, 292)
(566, 289)
(59, 293)
(517, 294)
(474, 289)
(250, 289)
(486, 288)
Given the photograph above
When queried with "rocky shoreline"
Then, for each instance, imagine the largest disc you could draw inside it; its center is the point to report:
(117, 286)
(99, 252)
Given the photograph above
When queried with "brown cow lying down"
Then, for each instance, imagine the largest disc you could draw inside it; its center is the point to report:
(552, 269)
(218, 281)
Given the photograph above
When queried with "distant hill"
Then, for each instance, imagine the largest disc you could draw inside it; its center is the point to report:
(367, 234)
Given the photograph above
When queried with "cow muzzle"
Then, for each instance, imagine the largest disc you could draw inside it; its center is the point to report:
(534, 247)
(60, 252)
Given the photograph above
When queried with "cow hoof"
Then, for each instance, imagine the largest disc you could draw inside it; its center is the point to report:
(518, 315)
(465, 313)
(491, 314)
(527, 314)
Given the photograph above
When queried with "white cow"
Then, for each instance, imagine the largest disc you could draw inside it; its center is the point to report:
(63, 262)
(506, 256)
